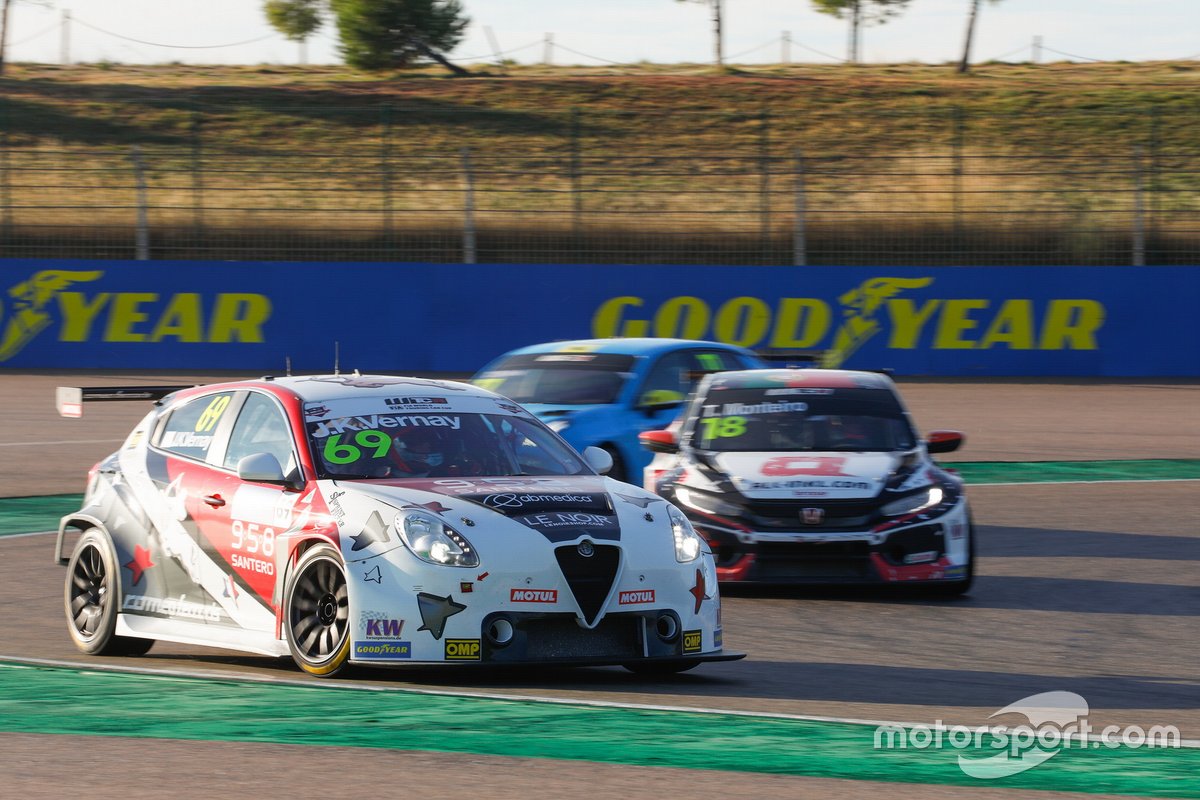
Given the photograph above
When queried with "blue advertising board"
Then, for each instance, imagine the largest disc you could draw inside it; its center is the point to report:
(410, 317)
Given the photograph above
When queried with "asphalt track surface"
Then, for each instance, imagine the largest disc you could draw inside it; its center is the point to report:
(1089, 588)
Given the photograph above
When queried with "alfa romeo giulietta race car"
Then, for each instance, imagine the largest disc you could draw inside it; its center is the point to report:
(815, 476)
(378, 520)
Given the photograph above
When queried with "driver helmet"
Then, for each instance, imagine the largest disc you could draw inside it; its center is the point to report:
(419, 449)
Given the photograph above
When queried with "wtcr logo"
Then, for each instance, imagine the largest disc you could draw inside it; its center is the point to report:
(1053, 722)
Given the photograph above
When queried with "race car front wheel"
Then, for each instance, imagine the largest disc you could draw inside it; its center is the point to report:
(318, 613)
(92, 597)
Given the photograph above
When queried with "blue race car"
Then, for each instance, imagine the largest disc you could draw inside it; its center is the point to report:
(604, 392)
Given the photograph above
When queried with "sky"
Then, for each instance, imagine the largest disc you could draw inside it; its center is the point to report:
(622, 31)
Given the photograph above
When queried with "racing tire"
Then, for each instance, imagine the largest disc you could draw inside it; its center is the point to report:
(617, 472)
(958, 588)
(317, 613)
(92, 597)
(660, 668)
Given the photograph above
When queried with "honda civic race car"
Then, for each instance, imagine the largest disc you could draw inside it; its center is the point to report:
(603, 392)
(815, 476)
(377, 520)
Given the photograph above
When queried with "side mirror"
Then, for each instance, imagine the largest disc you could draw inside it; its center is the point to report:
(659, 441)
(944, 441)
(659, 399)
(261, 468)
(598, 459)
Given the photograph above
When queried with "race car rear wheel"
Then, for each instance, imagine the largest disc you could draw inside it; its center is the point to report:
(318, 613)
(92, 596)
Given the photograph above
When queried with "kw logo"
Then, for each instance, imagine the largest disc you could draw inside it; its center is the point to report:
(858, 315)
(384, 628)
(147, 317)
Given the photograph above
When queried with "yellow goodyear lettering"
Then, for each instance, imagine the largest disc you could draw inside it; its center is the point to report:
(802, 322)
(463, 650)
(149, 317)
(691, 641)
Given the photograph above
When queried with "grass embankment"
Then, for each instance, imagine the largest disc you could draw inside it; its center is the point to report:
(1032, 163)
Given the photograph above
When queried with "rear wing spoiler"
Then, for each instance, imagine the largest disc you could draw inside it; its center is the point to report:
(795, 358)
(69, 400)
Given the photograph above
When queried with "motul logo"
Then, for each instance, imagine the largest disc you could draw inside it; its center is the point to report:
(633, 598)
(534, 595)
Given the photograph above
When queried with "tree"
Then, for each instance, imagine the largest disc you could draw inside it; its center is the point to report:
(964, 64)
(860, 13)
(718, 36)
(378, 34)
(393, 34)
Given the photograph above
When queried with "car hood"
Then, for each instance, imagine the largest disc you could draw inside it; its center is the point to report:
(559, 508)
(788, 476)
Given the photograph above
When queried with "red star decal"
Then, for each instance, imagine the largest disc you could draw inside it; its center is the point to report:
(140, 563)
(698, 591)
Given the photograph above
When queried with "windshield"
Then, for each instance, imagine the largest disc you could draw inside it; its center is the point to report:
(450, 444)
(761, 420)
(558, 378)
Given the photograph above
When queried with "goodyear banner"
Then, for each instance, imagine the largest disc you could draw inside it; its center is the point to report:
(1081, 321)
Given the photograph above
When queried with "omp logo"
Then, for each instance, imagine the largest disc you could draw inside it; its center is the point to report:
(691, 641)
(866, 310)
(462, 650)
(384, 628)
(635, 597)
(533, 595)
(125, 316)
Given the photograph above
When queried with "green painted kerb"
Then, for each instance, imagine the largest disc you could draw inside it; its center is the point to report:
(1159, 469)
(28, 514)
(66, 701)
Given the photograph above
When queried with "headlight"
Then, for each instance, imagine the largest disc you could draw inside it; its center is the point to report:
(432, 540)
(688, 544)
(558, 425)
(706, 502)
(913, 503)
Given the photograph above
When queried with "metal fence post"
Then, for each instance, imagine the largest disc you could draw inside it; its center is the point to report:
(764, 185)
(1139, 229)
(385, 158)
(959, 132)
(468, 208)
(197, 180)
(799, 243)
(576, 184)
(142, 232)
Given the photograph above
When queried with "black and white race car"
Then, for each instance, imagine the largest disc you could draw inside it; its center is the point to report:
(815, 476)
(377, 520)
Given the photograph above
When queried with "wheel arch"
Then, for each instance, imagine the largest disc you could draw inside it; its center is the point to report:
(79, 521)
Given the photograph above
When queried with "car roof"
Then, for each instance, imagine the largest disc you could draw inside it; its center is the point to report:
(806, 377)
(323, 388)
(645, 346)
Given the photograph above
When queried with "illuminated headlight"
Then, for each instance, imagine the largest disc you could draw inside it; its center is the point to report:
(432, 540)
(703, 501)
(558, 425)
(688, 544)
(913, 503)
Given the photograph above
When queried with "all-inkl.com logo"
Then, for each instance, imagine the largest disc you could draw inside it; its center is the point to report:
(1050, 722)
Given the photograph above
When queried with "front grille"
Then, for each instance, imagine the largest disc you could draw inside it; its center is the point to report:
(590, 578)
(549, 637)
(787, 515)
(783, 561)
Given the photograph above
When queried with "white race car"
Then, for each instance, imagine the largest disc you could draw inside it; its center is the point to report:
(377, 520)
(815, 476)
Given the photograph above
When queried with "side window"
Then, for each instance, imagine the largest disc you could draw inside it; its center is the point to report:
(716, 360)
(190, 428)
(669, 380)
(260, 428)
